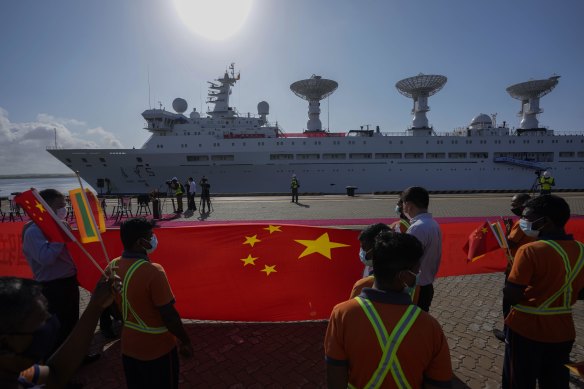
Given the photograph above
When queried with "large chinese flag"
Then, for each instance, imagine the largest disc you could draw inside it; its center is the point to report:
(249, 272)
(38, 210)
(481, 241)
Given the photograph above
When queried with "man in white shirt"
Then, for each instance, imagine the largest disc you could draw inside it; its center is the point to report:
(191, 194)
(415, 206)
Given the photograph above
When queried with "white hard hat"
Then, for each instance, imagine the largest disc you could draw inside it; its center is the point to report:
(174, 179)
(293, 175)
(546, 174)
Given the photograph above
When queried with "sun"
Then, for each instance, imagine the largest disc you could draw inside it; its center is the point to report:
(213, 19)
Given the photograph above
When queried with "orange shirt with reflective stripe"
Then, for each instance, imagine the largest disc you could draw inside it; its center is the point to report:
(539, 267)
(350, 338)
(517, 238)
(148, 290)
(368, 282)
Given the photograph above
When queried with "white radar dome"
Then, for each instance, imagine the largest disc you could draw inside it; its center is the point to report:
(179, 105)
(194, 114)
(263, 108)
(481, 121)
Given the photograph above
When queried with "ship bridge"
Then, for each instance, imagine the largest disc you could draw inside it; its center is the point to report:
(160, 120)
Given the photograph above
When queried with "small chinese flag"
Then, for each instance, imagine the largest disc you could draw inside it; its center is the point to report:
(88, 231)
(481, 241)
(37, 209)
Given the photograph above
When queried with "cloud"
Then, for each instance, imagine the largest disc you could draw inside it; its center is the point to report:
(23, 145)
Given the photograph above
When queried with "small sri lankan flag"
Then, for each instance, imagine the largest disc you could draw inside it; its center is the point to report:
(88, 232)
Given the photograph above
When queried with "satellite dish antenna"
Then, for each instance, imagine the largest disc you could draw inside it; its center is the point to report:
(314, 89)
(179, 105)
(419, 88)
(529, 93)
(263, 109)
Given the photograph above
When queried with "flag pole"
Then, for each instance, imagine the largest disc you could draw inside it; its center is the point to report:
(93, 218)
(65, 229)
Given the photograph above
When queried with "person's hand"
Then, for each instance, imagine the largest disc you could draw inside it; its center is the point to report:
(103, 294)
(185, 350)
(508, 224)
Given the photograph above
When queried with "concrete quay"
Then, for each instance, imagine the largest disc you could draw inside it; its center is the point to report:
(290, 355)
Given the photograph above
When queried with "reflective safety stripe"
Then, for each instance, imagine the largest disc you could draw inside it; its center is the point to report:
(566, 289)
(139, 325)
(389, 344)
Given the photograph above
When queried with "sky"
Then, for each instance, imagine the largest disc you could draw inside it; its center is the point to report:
(88, 69)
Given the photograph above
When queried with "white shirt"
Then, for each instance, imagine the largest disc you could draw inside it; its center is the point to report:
(425, 228)
(193, 187)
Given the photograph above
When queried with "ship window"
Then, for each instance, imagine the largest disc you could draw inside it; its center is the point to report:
(435, 155)
(307, 156)
(414, 155)
(388, 155)
(281, 156)
(222, 157)
(566, 154)
(103, 160)
(479, 155)
(137, 159)
(456, 155)
(84, 160)
(334, 156)
(194, 158)
(360, 156)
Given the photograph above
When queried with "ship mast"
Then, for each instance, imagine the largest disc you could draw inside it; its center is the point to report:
(219, 93)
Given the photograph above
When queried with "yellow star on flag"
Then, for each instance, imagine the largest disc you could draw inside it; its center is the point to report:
(484, 230)
(269, 269)
(249, 260)
(40, 207)
(251, 240)
(272, 228)
(322, 245)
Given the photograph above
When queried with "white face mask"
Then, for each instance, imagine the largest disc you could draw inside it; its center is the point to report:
(398, 210)
(154, 243)
(527, 227)
(61, 213)
(363, 258)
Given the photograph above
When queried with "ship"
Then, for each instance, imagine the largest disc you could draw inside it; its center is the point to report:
(246, 154)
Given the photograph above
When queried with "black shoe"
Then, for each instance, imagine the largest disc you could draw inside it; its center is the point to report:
(499, 334)
(90, 358)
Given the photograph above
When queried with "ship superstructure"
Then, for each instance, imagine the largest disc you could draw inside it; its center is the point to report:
(247, 154)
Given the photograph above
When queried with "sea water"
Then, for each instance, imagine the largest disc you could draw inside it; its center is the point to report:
(11, 185)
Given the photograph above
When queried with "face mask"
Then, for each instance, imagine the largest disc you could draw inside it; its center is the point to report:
(62, 213)
(363, 258)
(410, 289)
(527, 227)
(154, 243)
(517, 211)
(398, 210)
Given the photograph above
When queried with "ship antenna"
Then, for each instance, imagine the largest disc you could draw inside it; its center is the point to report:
(55, 129)
(149, 100)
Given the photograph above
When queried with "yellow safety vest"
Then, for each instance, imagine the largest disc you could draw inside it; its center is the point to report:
(566, 289)
(389, 344)
(546, 183)
(404, 223)
(139, 325)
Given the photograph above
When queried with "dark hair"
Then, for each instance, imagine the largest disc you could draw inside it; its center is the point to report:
(417, 195)
(394, 252)
(522, 198)
(553, 207)
(369, 233)
(17, 296)
(133, 229)
(50, 195)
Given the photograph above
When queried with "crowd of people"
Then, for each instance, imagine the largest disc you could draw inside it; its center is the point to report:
(177, 190)
(383, 336)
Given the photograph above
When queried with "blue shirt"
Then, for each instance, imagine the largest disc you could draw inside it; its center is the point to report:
(48, 260)
(425, 228)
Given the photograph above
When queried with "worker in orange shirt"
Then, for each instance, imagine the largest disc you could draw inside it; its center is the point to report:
(545, 281)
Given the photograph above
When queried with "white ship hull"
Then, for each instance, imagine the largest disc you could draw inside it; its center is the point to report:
(253, 171)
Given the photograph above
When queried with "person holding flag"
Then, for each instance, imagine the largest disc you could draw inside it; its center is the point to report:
(43, 245)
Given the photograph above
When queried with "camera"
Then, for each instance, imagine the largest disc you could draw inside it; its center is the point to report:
(537, 173)
(168, 182)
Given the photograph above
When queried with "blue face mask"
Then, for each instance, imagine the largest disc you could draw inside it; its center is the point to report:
(527, 227)
(411, 289)
(363, 258)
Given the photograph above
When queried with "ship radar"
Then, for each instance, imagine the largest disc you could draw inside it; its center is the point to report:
(314, 89)
(419, 88)
(179, 105)
(529, 93)
(263, 109)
